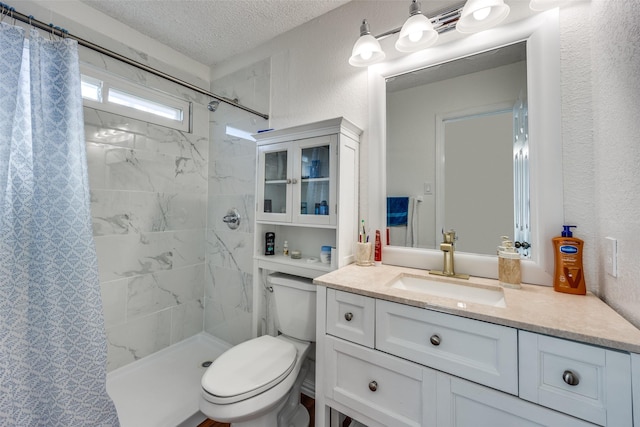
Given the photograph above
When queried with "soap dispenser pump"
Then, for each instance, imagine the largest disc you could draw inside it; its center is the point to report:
(509, 274)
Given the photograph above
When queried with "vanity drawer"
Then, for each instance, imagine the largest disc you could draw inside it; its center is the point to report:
(478, 351)
(582, 380)
(383, 388)
(351, 316)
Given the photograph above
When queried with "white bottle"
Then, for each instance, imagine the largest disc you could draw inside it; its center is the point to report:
(285, 249)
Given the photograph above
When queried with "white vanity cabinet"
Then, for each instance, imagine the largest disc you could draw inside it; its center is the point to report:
(589, 382)
(389, 364)
(482, 352)
(461, 403)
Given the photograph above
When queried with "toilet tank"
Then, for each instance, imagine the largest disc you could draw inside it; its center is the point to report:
(295, 302)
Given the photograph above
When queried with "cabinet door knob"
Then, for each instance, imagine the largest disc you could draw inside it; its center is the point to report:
(373, 386)
(294, 180)
(435, 339)
(570, 378)
(288, 180)
(348, 316)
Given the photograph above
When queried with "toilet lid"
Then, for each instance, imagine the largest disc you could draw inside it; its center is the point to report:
(249, 368)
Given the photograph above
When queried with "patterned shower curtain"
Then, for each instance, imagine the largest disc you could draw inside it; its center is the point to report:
(52, 339)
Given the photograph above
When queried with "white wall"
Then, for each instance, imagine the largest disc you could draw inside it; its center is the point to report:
(311, 80)
(616, 63)
(87, 23)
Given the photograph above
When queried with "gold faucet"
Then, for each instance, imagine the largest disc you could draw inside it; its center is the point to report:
(447, 247)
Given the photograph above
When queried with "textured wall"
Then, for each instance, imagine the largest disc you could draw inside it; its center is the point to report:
(577, 136)
(615, 56)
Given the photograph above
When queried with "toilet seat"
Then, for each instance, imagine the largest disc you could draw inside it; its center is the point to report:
(248, 369)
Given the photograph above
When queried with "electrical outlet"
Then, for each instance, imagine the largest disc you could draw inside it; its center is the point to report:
(611, 256)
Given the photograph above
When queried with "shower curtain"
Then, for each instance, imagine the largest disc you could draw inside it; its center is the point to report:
(52, 339)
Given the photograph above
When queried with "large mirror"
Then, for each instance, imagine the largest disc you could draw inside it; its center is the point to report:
(446, 124)
(457, 177)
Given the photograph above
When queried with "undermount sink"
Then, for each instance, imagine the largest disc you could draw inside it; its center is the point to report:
(462, 292)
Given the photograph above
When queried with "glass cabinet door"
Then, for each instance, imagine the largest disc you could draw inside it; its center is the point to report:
(296, 181)
(274, 183)
(315, 192)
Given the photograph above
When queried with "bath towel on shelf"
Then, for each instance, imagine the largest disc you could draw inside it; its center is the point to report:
(397, 211)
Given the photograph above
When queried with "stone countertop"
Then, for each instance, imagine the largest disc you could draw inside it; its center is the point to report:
(533, 308)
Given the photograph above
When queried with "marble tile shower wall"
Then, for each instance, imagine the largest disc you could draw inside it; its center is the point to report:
(229, 289)
(149, 206)
(148, 203)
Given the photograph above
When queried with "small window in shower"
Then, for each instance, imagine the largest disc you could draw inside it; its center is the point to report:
(106, 92)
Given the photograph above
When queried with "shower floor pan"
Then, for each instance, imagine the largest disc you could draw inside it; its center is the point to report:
(163, 389)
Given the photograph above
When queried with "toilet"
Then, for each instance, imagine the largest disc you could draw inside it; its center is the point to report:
(258, 382)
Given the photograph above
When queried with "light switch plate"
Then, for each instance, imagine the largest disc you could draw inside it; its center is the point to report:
(611, 256)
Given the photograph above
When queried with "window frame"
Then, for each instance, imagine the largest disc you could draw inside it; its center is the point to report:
(110, 81)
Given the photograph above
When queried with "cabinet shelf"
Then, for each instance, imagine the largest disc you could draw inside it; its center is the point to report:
(326, 179)
(294, 224)
(300, 267)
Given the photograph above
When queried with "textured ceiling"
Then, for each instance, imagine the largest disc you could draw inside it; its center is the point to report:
(211, 31)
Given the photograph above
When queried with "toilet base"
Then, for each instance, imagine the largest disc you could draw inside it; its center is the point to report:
(301, 418)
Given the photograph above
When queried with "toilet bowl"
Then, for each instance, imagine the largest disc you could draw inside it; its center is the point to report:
(257, 383)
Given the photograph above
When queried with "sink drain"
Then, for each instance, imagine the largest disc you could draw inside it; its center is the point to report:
(206, 363)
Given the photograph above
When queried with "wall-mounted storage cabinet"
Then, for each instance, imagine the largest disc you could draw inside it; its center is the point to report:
(307, 195)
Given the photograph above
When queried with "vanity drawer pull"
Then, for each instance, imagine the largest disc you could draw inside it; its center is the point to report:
(435, 340)
(570, 378)
(348, 316)
(373, 386)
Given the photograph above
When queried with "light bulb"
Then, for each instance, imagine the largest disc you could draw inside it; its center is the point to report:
(366, 54)
(414, 36)
(481, 14)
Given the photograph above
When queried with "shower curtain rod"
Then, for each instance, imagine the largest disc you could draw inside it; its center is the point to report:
(12, 13)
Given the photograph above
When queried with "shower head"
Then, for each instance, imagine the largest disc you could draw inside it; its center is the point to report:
(213, 105)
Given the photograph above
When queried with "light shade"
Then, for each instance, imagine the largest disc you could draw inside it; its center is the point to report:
(417, 32)
(540, 5)
(366, 50)
(479, 15)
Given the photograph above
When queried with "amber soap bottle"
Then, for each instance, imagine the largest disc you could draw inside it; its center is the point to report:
(569, 273)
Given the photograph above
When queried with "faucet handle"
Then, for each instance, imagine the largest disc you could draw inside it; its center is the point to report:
(449, 236)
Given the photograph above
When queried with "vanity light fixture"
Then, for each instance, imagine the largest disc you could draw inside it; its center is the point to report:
(480, 15)
(417, 32)
(367, 49)
(420, 32)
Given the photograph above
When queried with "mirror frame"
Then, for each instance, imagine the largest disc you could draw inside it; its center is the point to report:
(541, 32)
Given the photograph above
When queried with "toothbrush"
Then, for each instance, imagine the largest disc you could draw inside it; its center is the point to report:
(364, 233)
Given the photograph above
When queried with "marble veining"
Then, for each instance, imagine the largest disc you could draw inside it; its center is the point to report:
(149, 189)
(229, 289)
(533, 308)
